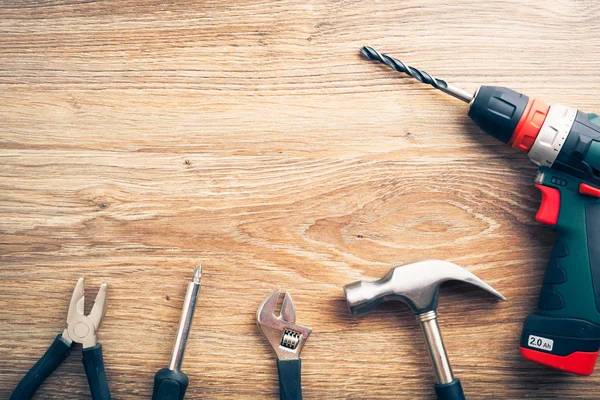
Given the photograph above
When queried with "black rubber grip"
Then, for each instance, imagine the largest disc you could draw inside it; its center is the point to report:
(555, 274)
(94, 370)
(54, 356)
(290, 383)
(592, 223)
(169, 385)
(450, 391)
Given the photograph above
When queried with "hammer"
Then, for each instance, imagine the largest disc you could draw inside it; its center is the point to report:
(418, 286)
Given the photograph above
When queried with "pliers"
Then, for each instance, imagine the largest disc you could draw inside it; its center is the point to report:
(287, 339)
(80, 329)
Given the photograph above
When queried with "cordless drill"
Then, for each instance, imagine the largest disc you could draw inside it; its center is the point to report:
(564, 332)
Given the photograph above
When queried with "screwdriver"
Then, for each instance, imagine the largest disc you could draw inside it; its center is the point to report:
(564, 332)
(170, 383)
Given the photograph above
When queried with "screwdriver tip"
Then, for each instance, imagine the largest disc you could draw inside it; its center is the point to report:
(197, 274)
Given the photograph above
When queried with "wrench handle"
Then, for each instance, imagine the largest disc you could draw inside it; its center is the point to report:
(290, 383)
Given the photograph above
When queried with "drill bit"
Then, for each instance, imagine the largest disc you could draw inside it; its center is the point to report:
(421, 76)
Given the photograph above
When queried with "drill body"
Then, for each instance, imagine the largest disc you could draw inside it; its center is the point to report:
(564, 332)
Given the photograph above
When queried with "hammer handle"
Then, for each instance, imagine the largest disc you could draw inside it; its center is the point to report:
(450, 391)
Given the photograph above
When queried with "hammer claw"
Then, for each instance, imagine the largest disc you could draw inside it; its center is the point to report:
(473, 280)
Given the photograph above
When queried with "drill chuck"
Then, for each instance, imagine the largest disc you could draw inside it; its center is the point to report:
(497, 111)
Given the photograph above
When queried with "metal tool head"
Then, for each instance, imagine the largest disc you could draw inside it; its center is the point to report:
(82, 328)
(286, 338)
(416, 284)
(197, 274)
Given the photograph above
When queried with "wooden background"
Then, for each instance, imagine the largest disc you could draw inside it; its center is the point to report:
(140, 138)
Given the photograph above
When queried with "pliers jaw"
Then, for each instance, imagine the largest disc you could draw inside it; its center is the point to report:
(286, 338)
(81, 328)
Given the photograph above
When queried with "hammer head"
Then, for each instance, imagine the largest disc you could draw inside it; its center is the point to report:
(415, 284)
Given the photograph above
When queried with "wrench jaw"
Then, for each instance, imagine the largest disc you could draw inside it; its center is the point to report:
(81, 328)
(286, 338)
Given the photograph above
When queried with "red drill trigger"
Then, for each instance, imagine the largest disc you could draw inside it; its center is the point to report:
(550, 207)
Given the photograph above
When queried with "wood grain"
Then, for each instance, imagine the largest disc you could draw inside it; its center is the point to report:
(140, 138)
